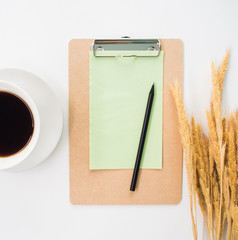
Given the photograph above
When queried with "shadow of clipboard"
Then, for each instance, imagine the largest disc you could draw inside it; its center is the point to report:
(111, 187)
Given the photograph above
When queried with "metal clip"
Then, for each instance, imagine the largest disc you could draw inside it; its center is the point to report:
(126, 47)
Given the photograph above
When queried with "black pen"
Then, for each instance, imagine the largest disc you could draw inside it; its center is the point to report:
(142, 139)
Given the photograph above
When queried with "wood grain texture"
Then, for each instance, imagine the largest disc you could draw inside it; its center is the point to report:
(111, 187)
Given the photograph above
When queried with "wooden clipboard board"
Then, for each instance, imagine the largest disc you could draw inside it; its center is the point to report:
(111, 187)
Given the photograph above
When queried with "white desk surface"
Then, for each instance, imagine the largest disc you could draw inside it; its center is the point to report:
(34, 205)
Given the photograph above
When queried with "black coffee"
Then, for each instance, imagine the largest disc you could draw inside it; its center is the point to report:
(16, 124)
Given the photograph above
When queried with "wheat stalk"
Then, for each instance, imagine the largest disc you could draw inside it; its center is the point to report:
(187, 146)
(217, 83)
(204, 177)
(227, 203)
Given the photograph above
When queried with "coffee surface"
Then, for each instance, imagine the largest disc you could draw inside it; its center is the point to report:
(16, 124)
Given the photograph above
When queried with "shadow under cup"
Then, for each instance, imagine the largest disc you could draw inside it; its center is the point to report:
(19, 125)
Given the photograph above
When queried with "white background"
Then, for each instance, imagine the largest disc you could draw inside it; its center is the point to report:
(34, 36)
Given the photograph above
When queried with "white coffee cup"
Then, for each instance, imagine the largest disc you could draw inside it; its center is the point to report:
(47, 114)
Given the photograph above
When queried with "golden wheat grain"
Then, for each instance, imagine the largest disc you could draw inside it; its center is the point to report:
(195, 148)
(220, 229)
(216, 103)
(235, 236)
(227, 203)
(231, 159)
(232, 169)
(203, 206)
(194, 160)
(203, 142)
(222, 70)
(213, 142)
(205, 177)
(236, 130)
(216, 201)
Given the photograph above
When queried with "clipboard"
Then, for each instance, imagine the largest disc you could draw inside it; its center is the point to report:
(111, 187)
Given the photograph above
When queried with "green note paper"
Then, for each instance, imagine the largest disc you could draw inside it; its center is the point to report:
(119, 89)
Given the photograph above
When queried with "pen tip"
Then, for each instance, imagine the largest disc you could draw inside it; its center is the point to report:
(152, 88)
